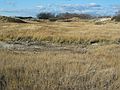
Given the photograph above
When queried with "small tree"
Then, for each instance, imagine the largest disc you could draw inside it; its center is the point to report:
(45, 15)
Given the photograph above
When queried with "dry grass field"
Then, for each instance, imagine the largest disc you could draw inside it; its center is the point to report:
(61, 32)
(98, 68)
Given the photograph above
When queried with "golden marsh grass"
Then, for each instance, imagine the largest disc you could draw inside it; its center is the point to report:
(61, 32)
(96, 69)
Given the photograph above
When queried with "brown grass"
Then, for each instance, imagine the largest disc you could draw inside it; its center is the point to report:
(97, 69)
(62, 32)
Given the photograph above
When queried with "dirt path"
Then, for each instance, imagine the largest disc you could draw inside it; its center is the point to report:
(41, 46)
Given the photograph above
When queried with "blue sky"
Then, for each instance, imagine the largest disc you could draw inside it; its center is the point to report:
(32, 7)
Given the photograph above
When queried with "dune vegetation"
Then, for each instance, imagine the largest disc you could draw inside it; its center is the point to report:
(92, 64)
(61, 32)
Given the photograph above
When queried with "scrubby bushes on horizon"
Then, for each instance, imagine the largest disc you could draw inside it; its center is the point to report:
(116, 18)
(45, 15)
(53, 17)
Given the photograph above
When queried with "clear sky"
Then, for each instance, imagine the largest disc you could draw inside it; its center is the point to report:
(32, 7)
